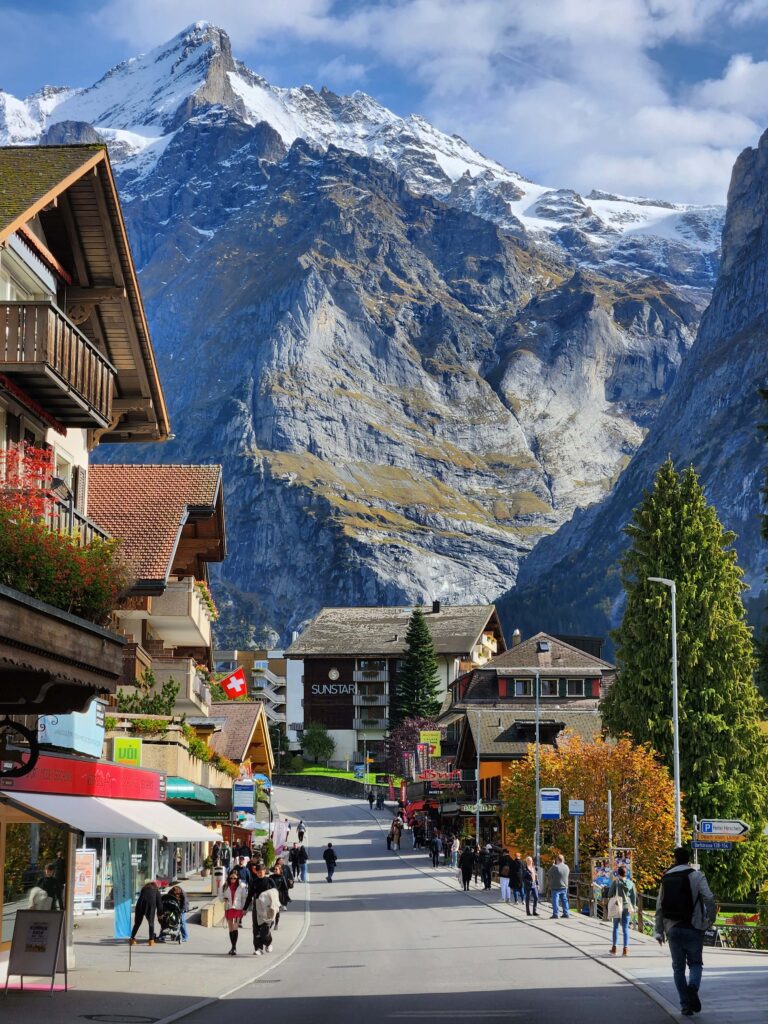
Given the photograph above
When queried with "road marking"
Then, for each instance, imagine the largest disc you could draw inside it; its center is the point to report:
(438, 1014)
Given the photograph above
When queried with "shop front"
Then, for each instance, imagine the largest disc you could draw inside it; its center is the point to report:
(89, 821)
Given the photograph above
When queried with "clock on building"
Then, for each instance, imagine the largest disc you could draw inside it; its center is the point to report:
(333, 674)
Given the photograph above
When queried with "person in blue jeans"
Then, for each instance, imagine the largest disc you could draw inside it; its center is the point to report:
(557, 877)
(624, 888)
(181, 899)
(685, 909)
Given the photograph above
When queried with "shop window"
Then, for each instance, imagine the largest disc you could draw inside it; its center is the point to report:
(29, 847)
(575, 688)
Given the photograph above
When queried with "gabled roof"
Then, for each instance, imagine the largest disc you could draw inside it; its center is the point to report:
(499, 738)
(169, 518)
(244, 723)
(63, 202)
(376, 631)
(561, 656)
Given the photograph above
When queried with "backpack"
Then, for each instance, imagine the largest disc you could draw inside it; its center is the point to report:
(676, 896)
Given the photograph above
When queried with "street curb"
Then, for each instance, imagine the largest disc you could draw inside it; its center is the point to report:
(210, 1000)
(642, 986)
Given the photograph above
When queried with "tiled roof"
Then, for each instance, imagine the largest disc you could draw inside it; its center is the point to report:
(30, 173)
(146, 508)
(500, 737)
(381, 631)
(560, 656)
(240, 718)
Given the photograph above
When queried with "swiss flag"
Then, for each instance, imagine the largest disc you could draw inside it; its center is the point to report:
(235, 684)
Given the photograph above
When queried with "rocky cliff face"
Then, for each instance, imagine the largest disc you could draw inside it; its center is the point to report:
(413, 363)
(711, 419)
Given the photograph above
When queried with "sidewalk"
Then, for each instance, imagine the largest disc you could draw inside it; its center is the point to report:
(163, 980)
(734, 985)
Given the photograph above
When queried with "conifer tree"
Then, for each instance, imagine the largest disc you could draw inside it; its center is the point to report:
(723, 754)
(416, 689)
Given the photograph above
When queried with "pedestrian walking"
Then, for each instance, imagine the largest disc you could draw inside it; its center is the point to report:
(243, 871)
(52, 887)
(303, 857)
(216, 854)
(685, 909)
(330, 858)
(397, 831)
(505, 873)
(148, 906)
(265, 907)
(466, 865)
(371, 798)
(300, 830)
(486, 865)
(557, 877)
(530, 886)
(435, 846)
(226, 855)
(234, 893)
(455, 848)
(516, 879)
(622, 903)
(281, 882)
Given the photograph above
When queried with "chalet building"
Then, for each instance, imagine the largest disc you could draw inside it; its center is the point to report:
(170, 520)
(77, 370)
(492, 708)
(351, 657)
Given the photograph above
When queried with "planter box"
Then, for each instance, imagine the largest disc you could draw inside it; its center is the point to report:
(52, 662)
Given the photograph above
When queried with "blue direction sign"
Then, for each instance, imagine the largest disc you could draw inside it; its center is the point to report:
(703, 844)
(549, 804)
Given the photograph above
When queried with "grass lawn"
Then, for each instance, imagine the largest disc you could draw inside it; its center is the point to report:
(335, 773)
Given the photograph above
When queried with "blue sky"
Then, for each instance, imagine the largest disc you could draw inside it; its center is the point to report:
(644, 97)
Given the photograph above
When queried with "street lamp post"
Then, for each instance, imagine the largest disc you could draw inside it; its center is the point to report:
(537, 838)
(675, 725)
(477, 776)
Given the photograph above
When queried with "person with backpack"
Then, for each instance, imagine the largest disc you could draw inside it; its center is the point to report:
(516, 879)
(505, 872)
(371, 798)
(624, 896)
(265, 907)
(300, 830)
(685, 909)
(485, 860)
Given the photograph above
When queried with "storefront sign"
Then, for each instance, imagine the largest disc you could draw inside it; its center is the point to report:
(85, 875)
(37, 947)
(212, 815)
(68, 775)
(332, 689)
(434, 776)
(488, 808)
(126, 750)
(78, 731)
(243, 795)
(431, 737)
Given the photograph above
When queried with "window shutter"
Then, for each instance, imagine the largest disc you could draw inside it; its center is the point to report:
(562, 688)
(503, 687)
(80, 488)
(595, 687)
(13, 428)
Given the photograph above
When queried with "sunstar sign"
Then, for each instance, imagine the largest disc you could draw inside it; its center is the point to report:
(332, 689)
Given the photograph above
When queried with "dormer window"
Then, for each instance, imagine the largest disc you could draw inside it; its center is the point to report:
(549, 688)
(575, 688)
(542, 646)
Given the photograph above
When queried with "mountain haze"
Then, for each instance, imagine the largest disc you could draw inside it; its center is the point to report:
(413, 363)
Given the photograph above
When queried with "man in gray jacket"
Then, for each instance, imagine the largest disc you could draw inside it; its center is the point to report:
(557, 877)
(685, 909)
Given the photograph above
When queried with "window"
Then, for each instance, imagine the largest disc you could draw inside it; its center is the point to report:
(523, 687)
(549, 688)
(64, 468)
(542, 646)
(575, 687)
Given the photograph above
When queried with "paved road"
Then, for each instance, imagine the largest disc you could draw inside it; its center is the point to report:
(387, 943)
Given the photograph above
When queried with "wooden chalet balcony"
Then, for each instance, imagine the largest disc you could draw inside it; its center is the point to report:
(56, 364)
(65, 518)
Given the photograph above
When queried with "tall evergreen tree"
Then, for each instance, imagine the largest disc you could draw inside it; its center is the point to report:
(416, 689)
(723, 753)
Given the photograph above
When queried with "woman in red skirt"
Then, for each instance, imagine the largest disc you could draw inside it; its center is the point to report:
(234, 894)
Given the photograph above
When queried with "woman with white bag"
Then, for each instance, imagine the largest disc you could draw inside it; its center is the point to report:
(622, 904)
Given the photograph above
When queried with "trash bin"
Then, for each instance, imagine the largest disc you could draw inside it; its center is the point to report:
(218, 880)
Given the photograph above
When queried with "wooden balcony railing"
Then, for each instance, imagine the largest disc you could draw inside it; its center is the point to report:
(64, 518)
(56, 364)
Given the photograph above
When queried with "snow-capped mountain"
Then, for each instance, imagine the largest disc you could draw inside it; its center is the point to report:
(140, 104)
(413, 363)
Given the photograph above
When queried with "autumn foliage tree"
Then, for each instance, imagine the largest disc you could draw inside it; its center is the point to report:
(643, 803)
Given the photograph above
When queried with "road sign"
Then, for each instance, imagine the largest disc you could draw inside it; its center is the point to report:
(723, 827)
(576, 807)
(549, 802)
(706, 844)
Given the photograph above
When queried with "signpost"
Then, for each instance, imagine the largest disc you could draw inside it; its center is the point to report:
(549, 800)
(576, 811)
(432, 738)
(723, 830)
(37, 946)
(704, 844)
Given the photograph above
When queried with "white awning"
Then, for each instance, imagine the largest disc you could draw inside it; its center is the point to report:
(171, 824)
(103, 816)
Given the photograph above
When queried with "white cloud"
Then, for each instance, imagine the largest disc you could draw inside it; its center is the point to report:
(568, 91)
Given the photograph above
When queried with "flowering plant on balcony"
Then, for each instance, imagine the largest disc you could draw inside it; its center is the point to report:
(52, 567)
(205, 596)
(26, 475)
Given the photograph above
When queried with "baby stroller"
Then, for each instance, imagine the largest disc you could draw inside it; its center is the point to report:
(170, 919)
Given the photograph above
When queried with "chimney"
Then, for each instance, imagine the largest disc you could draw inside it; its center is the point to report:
(435, 607)
(516, 638)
